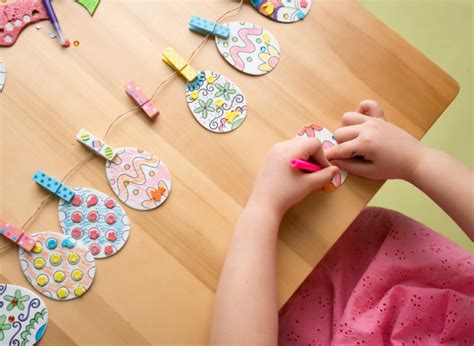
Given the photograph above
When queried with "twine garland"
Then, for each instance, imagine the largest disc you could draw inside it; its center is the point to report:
(90, 156)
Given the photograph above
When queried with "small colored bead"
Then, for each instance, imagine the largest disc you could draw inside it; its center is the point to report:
(42, 280)
(62, 292)
(51, 243)
(56, 259)
(59, 276)
(39, 263)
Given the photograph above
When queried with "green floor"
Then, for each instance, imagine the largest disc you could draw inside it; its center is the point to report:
(443, 31)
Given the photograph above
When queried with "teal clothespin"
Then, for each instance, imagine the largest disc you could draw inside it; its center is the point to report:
(208, 27)
(53, 185)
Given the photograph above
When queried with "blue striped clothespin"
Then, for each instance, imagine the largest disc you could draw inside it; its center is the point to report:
(208, 27)
(53, 185)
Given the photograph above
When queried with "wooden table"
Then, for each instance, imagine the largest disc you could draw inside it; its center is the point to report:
(160, 288)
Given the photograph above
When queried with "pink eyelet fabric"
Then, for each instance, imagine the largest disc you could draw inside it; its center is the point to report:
(389, 280)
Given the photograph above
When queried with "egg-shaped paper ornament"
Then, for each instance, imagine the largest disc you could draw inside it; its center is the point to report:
(249, 48)
(327, 140)
(138, 178)
(23, 316)
(216, 102)
(283, 11)
(96, 219)
(59, 267)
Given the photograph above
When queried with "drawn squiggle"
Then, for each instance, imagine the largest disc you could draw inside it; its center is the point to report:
(249, 47)
(139, 179)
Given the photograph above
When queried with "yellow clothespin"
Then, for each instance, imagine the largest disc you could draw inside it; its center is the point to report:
(173, 59)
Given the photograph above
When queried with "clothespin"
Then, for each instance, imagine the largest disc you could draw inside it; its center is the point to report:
(208, 27)
(175, 61)
(98, 146)
(16, 235)
(147, 105)
(53, 185)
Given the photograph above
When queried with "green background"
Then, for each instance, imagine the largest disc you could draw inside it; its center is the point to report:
(443, 31)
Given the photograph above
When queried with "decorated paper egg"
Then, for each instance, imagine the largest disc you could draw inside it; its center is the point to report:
(23, 316)
(96, 219)
(138, 178)
(327, 140)
(216, 102)
(249, 48)
(59, 267)
(3, 75)
(285, 11)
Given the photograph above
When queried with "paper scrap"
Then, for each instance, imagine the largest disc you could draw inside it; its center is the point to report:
(89, 5)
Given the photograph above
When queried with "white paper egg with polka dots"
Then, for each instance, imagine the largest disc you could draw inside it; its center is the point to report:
(59, 267)
(96, 219)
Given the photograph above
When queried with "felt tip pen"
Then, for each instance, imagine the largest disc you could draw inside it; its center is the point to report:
(304, 165)
(54, 21)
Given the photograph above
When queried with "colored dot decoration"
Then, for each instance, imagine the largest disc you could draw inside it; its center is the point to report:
(60, 268)
(97, 220)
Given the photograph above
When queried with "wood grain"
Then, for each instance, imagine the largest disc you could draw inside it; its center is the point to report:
(160, 288)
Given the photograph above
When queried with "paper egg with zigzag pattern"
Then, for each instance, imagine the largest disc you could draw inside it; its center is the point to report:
(138, 178)
(249, 48)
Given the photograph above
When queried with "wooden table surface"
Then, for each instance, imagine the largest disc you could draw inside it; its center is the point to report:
(160, 288)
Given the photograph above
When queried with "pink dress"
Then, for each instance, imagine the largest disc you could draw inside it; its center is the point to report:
(387, 281)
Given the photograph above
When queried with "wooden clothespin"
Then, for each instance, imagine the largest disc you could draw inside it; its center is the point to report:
(53, 185)
(98, 146)
(205, 26)
(176, 62)
(16, 235)
(147, 105)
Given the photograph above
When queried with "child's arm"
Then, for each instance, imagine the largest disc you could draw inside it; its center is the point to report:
(246, 308)
(373, 148)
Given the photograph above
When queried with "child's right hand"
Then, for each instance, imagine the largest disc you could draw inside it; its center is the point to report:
(371, 147)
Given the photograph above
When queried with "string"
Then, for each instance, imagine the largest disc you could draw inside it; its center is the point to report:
(116, 120)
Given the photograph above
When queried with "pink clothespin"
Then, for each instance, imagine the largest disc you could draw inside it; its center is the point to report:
(16, 235)
(147, 105)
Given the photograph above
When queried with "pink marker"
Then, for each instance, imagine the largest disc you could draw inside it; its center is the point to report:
(304, 165)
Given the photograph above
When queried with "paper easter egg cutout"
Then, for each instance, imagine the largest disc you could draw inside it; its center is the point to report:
(59, 267)
(283, 11)
(249, 48)
(96, 219)
(23, 316)
(327, 140)
(138, 178)
(216, 102)
(3, 75)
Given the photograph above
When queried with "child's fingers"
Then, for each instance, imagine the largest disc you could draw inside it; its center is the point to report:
(344, 150)
(371, 108)
(319, 179)
(311, 147)
(353, 118)
(346, 133)
(357, 167)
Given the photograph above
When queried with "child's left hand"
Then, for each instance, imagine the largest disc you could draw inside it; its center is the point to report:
(278, 186)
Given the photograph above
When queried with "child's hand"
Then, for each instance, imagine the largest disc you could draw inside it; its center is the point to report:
(278, 186)
(373, 148)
